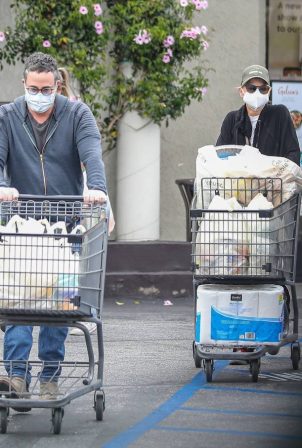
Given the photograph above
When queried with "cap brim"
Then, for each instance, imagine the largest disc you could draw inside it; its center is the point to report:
(252, 77)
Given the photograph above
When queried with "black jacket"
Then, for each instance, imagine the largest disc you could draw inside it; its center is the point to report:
(274, 134)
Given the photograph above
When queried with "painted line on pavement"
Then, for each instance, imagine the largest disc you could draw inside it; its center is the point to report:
(249, 390)
(129, 436)
(234, 432)
(239, 412)
(151, 421)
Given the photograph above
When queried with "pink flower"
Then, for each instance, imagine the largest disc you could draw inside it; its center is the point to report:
(183, 3)
(97, 9)
(99, 28)
(169, 52)
(46, 44)
(204, 30)
(83, 10)
(205, 45)
(169, 41)
(204, 4)
(191, 33)
(198, 5)
(166, 58)
(196, 30)
(143, 37)
(2, 36)
(202, 90)
(138, 39)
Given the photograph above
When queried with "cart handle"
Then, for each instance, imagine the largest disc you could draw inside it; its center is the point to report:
(53, 198)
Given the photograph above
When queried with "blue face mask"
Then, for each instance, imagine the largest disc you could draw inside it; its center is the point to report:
(40, 103)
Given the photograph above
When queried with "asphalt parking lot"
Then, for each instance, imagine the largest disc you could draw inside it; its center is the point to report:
(155, 397)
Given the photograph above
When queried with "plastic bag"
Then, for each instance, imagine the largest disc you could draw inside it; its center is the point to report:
(248, 163)
(261, 246)
(221, 244)
(31, 261)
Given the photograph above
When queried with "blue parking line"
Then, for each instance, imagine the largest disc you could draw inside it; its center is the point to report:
(239, 412)
(250, 390)
(151, 421)
(232, 432)
(129, 436)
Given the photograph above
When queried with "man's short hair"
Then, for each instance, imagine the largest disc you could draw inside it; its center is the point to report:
(41, 62)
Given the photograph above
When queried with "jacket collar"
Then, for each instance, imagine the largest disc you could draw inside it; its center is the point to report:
(20, 107)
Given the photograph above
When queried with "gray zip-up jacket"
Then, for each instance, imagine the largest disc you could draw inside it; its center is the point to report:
(73, 137)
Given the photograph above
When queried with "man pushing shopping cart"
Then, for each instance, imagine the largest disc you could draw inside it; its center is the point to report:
(44, 139)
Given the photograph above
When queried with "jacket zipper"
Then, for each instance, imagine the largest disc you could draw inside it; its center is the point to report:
(41, 154)
(43, 172)
(258, 133)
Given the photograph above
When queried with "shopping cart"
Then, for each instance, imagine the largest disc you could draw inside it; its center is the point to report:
(55, 279)
(245, 247)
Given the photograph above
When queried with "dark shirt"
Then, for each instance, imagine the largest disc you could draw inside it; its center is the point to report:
(40, 131)
(274, 135)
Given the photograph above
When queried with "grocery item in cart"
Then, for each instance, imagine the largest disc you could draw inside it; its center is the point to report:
(244, 162)
(258, 235)
(244, 315)
(221, 244)
(32, 260)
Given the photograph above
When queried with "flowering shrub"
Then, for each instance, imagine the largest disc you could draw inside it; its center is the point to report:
(75, 32)
(93, 41)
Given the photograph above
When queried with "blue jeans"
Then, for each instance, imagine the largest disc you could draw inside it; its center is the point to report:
(18, 341)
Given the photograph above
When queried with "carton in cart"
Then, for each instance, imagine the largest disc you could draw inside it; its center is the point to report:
(245, 315)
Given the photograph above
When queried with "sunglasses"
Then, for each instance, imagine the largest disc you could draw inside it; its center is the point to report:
(251, 88)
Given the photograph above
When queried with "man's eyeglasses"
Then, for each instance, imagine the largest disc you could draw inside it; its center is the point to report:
(251, 88)
(45, 90)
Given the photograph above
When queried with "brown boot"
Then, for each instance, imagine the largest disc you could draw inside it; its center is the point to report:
(14, 387)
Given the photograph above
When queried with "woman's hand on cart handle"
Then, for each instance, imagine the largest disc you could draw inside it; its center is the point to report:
(94, 197)
(8, 194)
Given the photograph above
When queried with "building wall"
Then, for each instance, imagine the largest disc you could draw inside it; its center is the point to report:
(11, 76)
(237, 39)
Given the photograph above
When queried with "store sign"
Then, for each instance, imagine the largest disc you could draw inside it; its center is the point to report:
(285, 36)
(289, 93)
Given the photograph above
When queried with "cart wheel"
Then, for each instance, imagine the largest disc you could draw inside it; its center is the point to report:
(57, 416)
(273, 351)
(197, 359)
(3, 420)
(255, 369)
(295, 355)
(209, 367)
(99, 405)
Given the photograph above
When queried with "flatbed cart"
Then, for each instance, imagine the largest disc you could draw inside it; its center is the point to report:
(246, 247)
(70, 259)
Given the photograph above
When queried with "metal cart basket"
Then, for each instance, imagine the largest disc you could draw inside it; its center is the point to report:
(52, 271)
(246, 247)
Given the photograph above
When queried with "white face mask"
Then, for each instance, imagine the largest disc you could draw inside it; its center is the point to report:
(256, 100)
(39, 103)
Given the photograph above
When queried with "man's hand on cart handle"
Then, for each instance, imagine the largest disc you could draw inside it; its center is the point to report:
(8, 194)
(95, 197)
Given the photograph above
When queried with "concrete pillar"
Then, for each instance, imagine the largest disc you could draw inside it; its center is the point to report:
(138, 179)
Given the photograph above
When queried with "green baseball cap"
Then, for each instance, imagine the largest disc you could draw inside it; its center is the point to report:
(254, 71)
